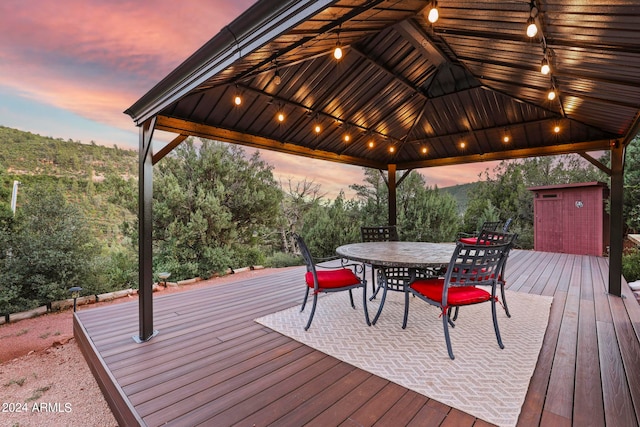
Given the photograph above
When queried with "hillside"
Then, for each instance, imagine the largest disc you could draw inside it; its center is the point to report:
(100, 180)
(461, 194)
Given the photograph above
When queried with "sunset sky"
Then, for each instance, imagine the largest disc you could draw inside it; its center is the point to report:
(69, 69)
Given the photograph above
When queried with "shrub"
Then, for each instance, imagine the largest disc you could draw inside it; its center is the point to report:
(281, 259)
(631, 265)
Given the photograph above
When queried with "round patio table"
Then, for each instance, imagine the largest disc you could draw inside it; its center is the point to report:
(399, 262)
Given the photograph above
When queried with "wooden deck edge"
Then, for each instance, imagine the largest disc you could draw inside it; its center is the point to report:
(119, 404)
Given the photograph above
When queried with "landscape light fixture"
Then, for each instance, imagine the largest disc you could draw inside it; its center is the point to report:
(163, 277)
(532, 28)
(433, 13)
(75, 294)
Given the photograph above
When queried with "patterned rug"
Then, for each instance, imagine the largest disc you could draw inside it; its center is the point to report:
(483, 380)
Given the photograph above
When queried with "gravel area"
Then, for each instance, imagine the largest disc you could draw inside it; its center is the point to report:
(45, 380)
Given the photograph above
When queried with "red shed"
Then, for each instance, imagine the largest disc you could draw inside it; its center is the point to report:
(571, 218)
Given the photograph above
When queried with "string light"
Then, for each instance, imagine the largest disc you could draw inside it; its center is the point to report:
(551, 95)
(392, 149)
(463, 144)
(556, 129)
(506, 139)
(371, 144)
(318, 129)
(347, 137)
(544, 66)
(424, 150)
(280, 117)
(237, 100)
(337, 52)
(433, 13)
(532, 28)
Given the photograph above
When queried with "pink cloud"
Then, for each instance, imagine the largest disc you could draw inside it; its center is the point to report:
(95, 58)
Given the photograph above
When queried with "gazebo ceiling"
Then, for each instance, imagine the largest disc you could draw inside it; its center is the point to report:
(422, 89)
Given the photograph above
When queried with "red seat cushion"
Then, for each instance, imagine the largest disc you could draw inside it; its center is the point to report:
(469, 240)
(457, 295)
(333, 278)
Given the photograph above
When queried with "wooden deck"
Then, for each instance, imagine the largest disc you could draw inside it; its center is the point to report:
(213, 365)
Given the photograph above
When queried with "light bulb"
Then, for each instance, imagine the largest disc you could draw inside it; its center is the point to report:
(318, 129)
(277, 79)
(347, 138)
(237, 100)
(545, 68)
(462, 145)
(392, 149)
(371, 144)
(424, 150)
(556, 129)
(551, 95)
(433, 15)
(280, 117)
(337, 52)
(506, 139)
(532, 29)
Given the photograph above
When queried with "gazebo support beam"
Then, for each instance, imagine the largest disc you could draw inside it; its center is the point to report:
(616, 221)
(145, 224)
(393, 214)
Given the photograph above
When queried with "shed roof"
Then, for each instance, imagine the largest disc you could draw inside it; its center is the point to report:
(473, 77)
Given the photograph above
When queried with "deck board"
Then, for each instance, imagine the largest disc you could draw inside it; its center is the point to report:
(212, 364)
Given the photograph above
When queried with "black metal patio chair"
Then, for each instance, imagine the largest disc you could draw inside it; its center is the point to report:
(334, 279)
(471, 239)
(470, 266)
(487, 237)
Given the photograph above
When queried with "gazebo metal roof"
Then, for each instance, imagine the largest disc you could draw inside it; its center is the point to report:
(465, 89)
(473, 77)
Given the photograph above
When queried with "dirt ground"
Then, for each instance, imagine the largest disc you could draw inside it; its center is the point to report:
(44, 379)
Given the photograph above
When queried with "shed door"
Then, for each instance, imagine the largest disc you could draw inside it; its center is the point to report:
(549, 223)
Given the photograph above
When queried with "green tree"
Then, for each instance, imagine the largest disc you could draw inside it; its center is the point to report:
(49, 250)
(329, 225)
(213, 208)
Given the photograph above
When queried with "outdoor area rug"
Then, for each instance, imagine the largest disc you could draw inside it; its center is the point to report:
(483, 380)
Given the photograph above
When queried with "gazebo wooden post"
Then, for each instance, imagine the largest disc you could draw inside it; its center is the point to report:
(393, 214)
(145, 266)
(616, 221)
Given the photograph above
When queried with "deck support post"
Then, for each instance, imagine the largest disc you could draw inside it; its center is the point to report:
(616, 221)
(145, 225)
(391, 184)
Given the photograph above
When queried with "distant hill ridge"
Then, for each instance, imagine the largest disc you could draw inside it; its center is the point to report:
(25, 153)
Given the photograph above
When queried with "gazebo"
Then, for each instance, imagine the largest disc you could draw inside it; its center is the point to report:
(406, 93)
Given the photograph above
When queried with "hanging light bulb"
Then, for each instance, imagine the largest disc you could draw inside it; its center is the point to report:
(551, 95)
(556, 129)
(237, 100)
(276, 78)
(337, 52)
(347, 137)
(392, 149)
(424, 150)
(317, 128)
(433, 13)
(463, 144)
(544, 66)
(532, 28)
(280, 116)
(506, 139)
(371, 144)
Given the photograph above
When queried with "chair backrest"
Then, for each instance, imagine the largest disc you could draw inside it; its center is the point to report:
(306, 255)
(474, 265)
(490, 225)
(492, 237)
(388, 233)
(507, 224)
